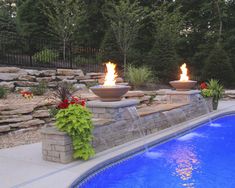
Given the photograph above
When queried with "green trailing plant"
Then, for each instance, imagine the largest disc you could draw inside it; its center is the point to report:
(76, 122)
(139, 76)
(45, 56)
(3, 92)
(40, 89)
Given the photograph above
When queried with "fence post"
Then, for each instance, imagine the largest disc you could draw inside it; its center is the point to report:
(30, 54)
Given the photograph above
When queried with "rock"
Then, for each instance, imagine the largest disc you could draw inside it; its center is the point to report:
(94, 74)
(89, 96)
(26, 84)
(119, 80)
(4, 128)
(41, 114)
(8, 76)
(17, 119)
(16, 109)
(64, 77)
(9, 69)
(45, 79)
(82, 77)
(131, 94)
(27, 78)
(22, 89)
(70, 72)
(88, 81)
(33, 122)
(162, 91)
(8, 85)
(70, 81)
(52, 84)
(33, 72)
(150, 93)
(47, 73)
(80, 87)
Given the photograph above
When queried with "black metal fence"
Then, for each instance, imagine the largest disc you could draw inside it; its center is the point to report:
(41, 53)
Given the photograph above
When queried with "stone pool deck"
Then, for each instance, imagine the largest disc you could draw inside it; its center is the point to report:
(23, 166)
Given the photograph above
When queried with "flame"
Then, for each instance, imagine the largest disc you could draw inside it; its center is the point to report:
(110, 77)
(183, 76)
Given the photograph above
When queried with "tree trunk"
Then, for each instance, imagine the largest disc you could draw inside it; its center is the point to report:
(220, 19)
(125, 63)
(64, 49)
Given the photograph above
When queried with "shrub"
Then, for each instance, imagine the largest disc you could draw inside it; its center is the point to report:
(76, 122)
(218, 67)
(3, 92)
(64, 91)
(139, 76)
(40, 89)
(45, 56)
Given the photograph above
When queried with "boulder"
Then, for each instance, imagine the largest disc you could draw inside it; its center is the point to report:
(16, 109)
(70, 72)
(9, 69)
(64, 77)
(69, 81)
(46, 79)
(8, 76)
(94, 74)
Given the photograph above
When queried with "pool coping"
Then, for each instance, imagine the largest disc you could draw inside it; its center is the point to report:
(119, 153)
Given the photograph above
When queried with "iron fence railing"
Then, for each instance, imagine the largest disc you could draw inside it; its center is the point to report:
(41, 53)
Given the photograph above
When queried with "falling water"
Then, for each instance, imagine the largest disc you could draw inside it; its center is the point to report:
(208, 112)
(135, 116)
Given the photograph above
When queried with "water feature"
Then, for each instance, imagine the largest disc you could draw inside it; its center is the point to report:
(135, 116)
(204, 157)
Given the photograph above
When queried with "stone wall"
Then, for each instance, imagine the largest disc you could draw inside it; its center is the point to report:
(15, 78)
(24, 116)
(119, 122)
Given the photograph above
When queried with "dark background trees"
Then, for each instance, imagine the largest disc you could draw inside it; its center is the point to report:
(172, 32)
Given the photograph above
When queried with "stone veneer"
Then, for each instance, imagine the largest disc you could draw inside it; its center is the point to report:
(117, 122)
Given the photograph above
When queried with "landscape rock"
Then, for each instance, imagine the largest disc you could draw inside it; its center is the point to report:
(41, 114)
(33, 72)
(4, 128)
(64, 77)
(17, 119)
(8, 76)
(45, 79)
(131, 94)
(8, 85)
(26, 84)
(26, 78)
(47, 73)
(9, 69)
(33, 122)
(70, 72)
(80, 87)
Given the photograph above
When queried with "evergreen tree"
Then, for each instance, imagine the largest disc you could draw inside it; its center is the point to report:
(218, 67)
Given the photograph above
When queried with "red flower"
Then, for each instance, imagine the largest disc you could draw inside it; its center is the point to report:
(74, 100)
(203, 85)
(64, 104)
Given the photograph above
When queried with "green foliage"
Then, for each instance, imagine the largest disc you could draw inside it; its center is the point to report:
(218, 67)
(126, 18)
(139, 76)
(163, 59)
(3, 92)
(40, 89)
(76, 122)
(216, 89)
(45, 56)
(206, 93)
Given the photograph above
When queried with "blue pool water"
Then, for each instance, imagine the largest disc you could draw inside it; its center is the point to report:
(202, 158)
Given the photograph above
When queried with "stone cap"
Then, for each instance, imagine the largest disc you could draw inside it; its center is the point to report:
(52, 130)
(116, 104)
(190, 92)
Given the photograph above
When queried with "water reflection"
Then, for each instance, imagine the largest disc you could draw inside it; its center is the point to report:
(185, 163)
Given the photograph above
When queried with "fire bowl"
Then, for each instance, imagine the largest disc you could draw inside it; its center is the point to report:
(183, 85)
(110, 93)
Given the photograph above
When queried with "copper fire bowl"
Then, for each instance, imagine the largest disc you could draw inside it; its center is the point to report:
(110, 93)
(183, 85)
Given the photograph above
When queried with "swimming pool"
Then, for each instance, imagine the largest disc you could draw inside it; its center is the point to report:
(202, 158)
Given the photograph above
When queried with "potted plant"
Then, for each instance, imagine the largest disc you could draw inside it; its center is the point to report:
(215, 90)
(206, 93)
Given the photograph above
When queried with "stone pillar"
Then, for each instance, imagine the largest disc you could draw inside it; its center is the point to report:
(56, 146)
(111, 110)
(192, 96)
